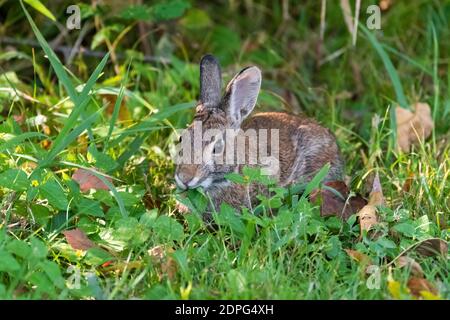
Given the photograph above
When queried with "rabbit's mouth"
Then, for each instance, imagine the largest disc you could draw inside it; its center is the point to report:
(193, 183)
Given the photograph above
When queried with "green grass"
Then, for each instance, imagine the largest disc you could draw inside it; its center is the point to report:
(296, 254)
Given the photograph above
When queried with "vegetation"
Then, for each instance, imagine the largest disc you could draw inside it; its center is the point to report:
(88, 119)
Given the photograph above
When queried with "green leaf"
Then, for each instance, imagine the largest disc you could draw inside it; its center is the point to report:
(196, 19)
(7, 262)
(148, 218)
(53, 272)
(55, 195)
(235, 177)
(14, 179)
(42, 283)
(386, 243)
(37, 5)
(102, 160)
(137, 12)
(168, 228)
(40, 213)
(19, 247)
(170, 9)
(228, 217)
(125, 228)
(96, 256)
(405, 228)
(38, 249)
(90, 208)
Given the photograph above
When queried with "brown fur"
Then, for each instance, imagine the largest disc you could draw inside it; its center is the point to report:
(304, 145)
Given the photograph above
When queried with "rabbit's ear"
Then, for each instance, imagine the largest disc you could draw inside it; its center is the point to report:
(242, 93)
(210, 82)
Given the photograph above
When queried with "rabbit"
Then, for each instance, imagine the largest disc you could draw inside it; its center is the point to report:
(304, 145)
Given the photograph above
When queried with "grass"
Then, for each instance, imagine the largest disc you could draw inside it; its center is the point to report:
(117, 115)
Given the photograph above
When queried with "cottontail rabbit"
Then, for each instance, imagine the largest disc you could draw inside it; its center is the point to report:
(301, 146)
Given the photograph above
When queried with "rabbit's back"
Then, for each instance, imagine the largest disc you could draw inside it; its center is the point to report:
(304, 146)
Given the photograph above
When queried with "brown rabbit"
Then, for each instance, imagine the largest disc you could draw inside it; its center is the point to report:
(301, 145)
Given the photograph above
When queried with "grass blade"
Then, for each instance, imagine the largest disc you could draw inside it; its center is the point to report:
(80, 103)
(52, 57)
(37, 5)
(70, 138)
(401, 99)
(116, 110)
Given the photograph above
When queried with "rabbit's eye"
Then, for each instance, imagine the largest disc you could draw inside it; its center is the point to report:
(218, 147)
(180, 139)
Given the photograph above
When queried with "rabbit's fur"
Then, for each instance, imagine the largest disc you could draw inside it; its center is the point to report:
(304, 145)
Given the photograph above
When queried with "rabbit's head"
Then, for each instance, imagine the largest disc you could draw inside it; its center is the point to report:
(205, 139)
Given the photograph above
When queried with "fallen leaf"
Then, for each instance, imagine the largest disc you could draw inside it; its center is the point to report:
(408, 182)
(413, 127)
(358, 256)
(337, 201)
(418, 285)
(368, 214)
(124, 114)
(385, 4)
(161, 259)
(404, 261)
(87, 180)
(432, 247)
(78, 240)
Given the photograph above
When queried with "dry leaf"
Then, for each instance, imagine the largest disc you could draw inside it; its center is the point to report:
(368, 214)
(358, 256)
(124, 114)
(87, 180)
(404, 261)
(432, 247)
(163, 261)
(78, 240)
(408, 182)
(413, 127)
(333, 204)
(418, 285)
(385, 4)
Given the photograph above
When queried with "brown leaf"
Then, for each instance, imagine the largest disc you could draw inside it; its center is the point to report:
(124, 114)
(416, 285)
(87, 180)
(358, 256)
(368, 214)
(337, 202)
(432, 247)
(404, 261)
(163, 261)
(78, 240)
(408, 182)
(385, 4)
(413, 127)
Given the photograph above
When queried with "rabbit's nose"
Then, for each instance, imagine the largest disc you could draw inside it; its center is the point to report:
(185, 176)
